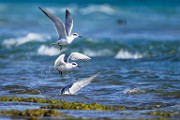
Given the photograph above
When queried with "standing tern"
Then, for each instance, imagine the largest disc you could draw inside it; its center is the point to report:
(76, 86)
(64, 31)
(63, 65)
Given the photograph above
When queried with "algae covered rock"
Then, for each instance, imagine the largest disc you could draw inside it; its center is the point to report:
(163, 113)
(48, 110)
(61, 104)
(32, 113)
(35, 100)
(82, 106)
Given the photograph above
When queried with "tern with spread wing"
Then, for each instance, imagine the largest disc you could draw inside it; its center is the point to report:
(76, 86)
(64, 31)
(63, 65)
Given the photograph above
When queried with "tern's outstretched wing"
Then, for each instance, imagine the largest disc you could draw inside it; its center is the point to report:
(65, 90)
(59, 60)
(68, 23)
(60, 28)
(81, 83)
(77, 56)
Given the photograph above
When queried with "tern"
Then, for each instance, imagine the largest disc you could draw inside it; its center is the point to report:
(76, 86)
(64, 31)
(63, 65)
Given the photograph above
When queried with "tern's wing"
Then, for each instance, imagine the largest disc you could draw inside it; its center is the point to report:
(60, 28)
(77, 56)
(59, 60)
(81, 83)
(68, 23)
(65, 89)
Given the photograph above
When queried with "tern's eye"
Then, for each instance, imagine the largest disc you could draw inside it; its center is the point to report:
(73, 63)
(75, 34)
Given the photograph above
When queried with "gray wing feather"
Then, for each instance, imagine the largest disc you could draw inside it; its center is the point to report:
(82, 83)
(59, 60)
(77, 56)
(68, 23)
(60, 28)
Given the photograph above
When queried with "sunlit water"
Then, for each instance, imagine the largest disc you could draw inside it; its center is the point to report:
(136, 51)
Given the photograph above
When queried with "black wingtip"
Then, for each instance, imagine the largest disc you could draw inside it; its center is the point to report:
(67, 12)
(44, 11)
(40, 8)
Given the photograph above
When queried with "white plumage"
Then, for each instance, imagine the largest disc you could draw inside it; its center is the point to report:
(63, 65)
(76, 86)
(64, 31)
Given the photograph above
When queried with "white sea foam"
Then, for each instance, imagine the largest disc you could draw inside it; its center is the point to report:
(62, 10)
(107, 9)
(133, 91)
(124, 54)
(25, 39)
(104, 52)
(48, 51)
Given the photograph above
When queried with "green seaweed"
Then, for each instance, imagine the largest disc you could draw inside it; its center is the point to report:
(175, 94)
(61, 104)
(82, 106)
(48, 110)
(35, 100)
(32, 113)
(163, 113)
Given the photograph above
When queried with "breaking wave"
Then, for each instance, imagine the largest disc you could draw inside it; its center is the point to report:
(133, 91)
(106, 9)
(105, 52)
(124, 54)
(30, 37)
(48, 51)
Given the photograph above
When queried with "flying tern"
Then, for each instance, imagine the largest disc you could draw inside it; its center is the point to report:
(64, 31)
(76, 86)
(63, 65)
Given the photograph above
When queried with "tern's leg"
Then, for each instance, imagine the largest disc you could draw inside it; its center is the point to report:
(60, 72)
(60, 46)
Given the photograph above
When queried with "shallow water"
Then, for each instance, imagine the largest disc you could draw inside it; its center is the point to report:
(138, 58)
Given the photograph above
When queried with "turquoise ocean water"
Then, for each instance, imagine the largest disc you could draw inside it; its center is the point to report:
(135, 44)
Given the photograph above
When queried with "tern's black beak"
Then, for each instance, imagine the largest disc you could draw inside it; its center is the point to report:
(79, 66)
(80, 36)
